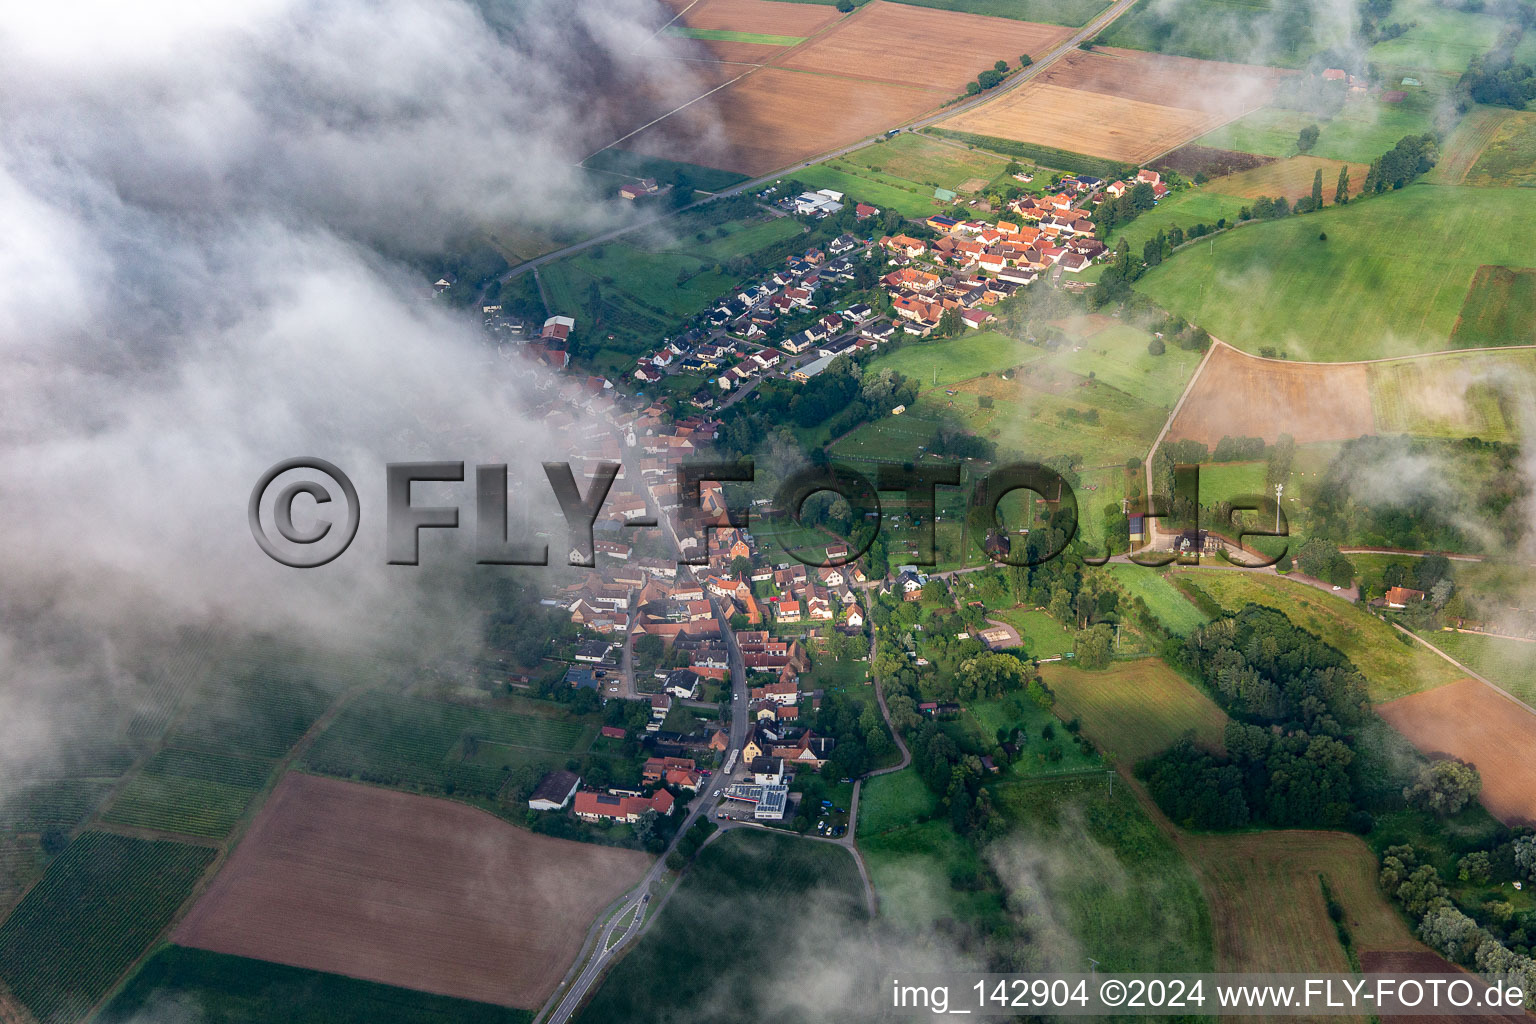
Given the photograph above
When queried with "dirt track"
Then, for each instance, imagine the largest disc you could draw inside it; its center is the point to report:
(407, 890)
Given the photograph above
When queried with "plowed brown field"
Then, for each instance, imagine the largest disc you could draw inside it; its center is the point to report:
(1121, 104)
(1471, 721)
(1246, 396)
(764, 17)
(889, 42)
(407, 890)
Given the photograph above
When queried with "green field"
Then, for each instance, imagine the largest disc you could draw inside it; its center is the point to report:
(1391, 668)
(1508, 664)
(1362, 131)
(636, 165)
(891, 801)
(96, 909)
(56, 803)
(1135, 709)
(407, 741)
(1441, 39)
(1043, 636)
(1225, 481)
(1367, 291)
(198, 794)
(235, 990)
(724, 36)
(1015, 711)
(1118, 356)
(1510, 157)
(1283, 33)
(1453, 395)
(927, 162)
(1187, 208)
(1064, 12)
(1500, 309)
(1044, 156)
(861, 185)
(941, 363)
(256, 713)
(1177, 613)
(747, 890)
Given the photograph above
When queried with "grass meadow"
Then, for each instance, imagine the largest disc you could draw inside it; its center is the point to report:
(1135, 709)
(1506, 663)
(1177, 613)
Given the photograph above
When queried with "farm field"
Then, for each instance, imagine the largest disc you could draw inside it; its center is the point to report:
(1471, 721)
(893, 43)
(1135, 709)
(1441, 39)
(1177, 613)
(1391, 669)
(1500, 309)
(734, 898)
(942, 363)
(408, 741)
(407, 890)
(866, 186)
(1363, 293)
(1066, 12)
(1202, 205)
(57, 803)
(1466, 143)
(21, 862)
(1508, 664)
(196, 794)
(637, 165)
(728, 36)
(891, 801)
(1362, 131)
(1267, 904)
(1452, 395)
(1120, 104)
(1224, 481)
(1243, 396)
(1220, 30)
(1117, 355)
(1016, 711)
(258, 712)
(1510, 156)
(1043, 635)
(235, 990)
(755, 17)
(1291, 178)
(96, 909)
(928, 161)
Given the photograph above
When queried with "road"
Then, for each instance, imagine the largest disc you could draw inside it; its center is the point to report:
(1041, 64)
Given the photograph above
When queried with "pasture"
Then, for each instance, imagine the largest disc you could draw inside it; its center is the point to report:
(892, 43)
(1135, 709)
(1064, 12)
(1177, 613)
(235, 990)
(1500, 309)
(394, 740)
(198, 794)
(1202, 205)
(1510, 156)
(1043, 636)
(728, 36)
(638, 165)
(866, 186)
(1508, 664)
(1360, 132)
(942, 363)
(95, 910)
(1226, 481)
(1243, 396)
(928, 161)
(1441, 39)
(892, 801)
(1120, 104)
(1391, 668)
(1474, 722)
(1465, 145)
(407, 890)
(1018, 714)
(1453, 395)
(1222, 30)
(1363, 292)
(1267, 903)
(747, 890)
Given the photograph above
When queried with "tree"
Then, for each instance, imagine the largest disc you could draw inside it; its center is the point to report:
(1317, 189)
(1306, 138)
(1444, 787)
(741, 566)
(1094, 646)
(1525, 856)
(1001, 67)
(1341, 192)
(989, 78)
(1156, 346)
(972, 88)
(845, 5)
(1025, 60)
(1474, 868)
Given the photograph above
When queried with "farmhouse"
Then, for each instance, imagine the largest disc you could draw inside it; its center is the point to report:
(554, 791)
(628, 809)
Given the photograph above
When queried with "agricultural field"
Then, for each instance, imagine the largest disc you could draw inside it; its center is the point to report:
(1016, 711)
(1043, 636)
(407, 890)
(96, 909)
(1473, 395)
(1363, 130)
(1465, 145)
(902, 172)
(1225, 481)
(866, 186)
(1391, 668)
(1120, 104)
(53, 803)
(943, 363)
(1168, 605)
(1291, 178)
(1135, 709)
(1506, 663)
(1500, 309)
(1115, 354)
(1441, 39)
(1510, 156)
(1202, 205)
(1267, 904)
(894, 43)
(198, 794)
(21, 862)
(1065, 12)
(1363, 292)
(1239, 395)
(1228, 30)
(1472, 721)
(728, 36)
(235, 990)
(630, 164)
(258, 712)
(409, 741)
(746, 890)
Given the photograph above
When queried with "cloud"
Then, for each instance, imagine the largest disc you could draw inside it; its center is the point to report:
(206, 208)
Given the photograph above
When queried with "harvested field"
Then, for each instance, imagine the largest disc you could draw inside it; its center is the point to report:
(891, 42)
(758, 17)
(768, 130)
(1466, 143)
(1267, 907)
(1122, 104)
(1425, 962)
(409, 891)
(1473, 395)
(1509, 158)
(1244, 395)
(1213, 163)
(1290, 178)
(1474, 722)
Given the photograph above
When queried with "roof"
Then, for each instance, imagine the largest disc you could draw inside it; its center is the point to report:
(556, 787)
